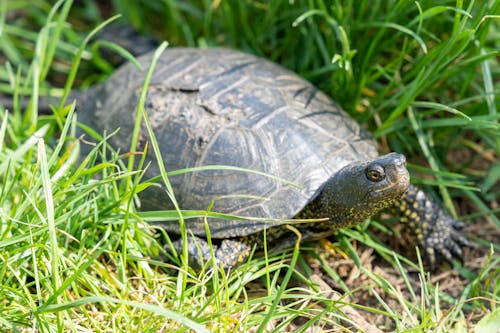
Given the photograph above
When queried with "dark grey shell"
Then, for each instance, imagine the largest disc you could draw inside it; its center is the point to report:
(224, 107)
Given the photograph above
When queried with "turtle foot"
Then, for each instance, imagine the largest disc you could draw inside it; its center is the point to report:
(229, 253)
(438, 234)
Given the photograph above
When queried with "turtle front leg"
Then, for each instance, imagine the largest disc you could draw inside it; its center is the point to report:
(229, 253)
(435, 230)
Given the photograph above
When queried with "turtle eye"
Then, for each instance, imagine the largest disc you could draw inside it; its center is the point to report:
(375, 173)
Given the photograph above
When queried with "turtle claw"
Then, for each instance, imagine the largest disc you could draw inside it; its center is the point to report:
(459, 225)
(445, 238)
(456, 252)
(447, 255)
(460, 239)
(452, 251)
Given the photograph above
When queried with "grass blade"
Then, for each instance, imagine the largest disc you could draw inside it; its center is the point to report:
(49, 210)
(57, 308)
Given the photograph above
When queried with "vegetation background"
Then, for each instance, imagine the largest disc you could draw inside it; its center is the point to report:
(76, 255)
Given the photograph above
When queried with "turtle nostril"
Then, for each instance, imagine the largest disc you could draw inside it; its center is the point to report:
(401, 162)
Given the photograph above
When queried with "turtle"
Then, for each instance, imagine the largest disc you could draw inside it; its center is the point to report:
(218, 106)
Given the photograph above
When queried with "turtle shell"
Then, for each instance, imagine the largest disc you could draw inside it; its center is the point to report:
(224, 107)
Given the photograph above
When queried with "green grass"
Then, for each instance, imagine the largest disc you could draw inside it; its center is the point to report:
(77, 256)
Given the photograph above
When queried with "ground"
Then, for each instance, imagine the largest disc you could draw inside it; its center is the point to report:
(449, 280)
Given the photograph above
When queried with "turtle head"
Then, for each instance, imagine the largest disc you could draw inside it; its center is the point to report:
(361, 189)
